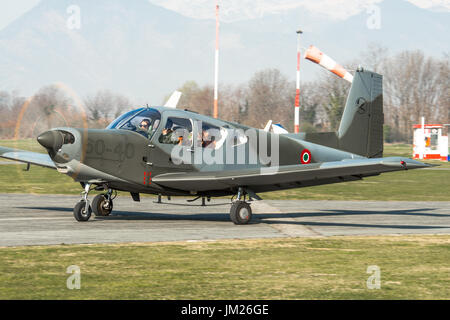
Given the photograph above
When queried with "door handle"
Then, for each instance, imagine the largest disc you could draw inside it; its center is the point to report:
(145, 159)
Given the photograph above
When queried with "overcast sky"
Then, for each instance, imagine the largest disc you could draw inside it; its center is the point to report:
(239, 9)
(244, 9)
(11, 10)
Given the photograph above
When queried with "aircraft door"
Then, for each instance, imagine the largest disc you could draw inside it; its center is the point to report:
(172, 147)
(211, 141)
(133, 163)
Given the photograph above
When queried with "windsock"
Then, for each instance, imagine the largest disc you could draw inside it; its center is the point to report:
(315, 55)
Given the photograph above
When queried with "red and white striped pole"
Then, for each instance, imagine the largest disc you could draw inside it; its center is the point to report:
(297, 94)
(216, 68)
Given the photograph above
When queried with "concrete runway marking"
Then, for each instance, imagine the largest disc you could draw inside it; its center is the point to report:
(25, 219)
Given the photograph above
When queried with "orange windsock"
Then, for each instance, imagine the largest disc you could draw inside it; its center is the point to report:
(315, 55)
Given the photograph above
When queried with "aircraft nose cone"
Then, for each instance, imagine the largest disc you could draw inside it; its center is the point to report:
(51, 140)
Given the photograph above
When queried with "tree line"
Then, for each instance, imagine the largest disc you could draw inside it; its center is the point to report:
(415, 85)
(53, 106)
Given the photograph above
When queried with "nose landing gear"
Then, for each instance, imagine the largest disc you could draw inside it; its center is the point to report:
(102, 205)
(82, 211)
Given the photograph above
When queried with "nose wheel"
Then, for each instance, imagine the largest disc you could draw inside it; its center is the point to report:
(102, 205)
(82, 211)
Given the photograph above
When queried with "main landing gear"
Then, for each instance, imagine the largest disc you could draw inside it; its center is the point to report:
(102, 205)
(240, 212)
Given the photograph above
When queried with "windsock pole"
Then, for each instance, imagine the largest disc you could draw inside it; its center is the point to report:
(216, 68)
(315, 55)
(297, 94)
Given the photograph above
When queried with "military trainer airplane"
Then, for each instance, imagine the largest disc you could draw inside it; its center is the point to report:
(172, 152)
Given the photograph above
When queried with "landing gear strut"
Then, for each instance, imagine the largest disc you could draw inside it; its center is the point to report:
(240, 212)
(82, 211)
(102, 205)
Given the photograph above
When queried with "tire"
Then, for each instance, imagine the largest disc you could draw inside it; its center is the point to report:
(98, 206)
(79, 212)
(241, 213)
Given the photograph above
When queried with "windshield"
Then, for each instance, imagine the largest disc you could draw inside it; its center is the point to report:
(122, 118)
(144, 122)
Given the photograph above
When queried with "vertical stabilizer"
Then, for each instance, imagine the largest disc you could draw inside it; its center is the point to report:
(361, 128)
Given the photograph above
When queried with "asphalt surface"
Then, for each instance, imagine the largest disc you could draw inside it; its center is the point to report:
(48, 219)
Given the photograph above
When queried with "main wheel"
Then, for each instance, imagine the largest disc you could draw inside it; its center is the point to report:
(241, 212)
(101, 206)
(79, 212)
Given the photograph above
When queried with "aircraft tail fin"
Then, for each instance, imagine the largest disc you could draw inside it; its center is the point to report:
(361, 127)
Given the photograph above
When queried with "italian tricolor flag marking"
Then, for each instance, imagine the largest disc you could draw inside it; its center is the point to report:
(305, 158)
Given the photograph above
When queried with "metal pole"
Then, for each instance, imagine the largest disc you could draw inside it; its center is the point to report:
(216, 68)
(423, 144)
(297, 94)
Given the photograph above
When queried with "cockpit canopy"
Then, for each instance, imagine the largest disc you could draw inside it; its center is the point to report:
(183, 130)
(144, 121)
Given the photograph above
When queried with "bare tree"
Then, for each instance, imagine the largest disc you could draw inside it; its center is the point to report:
(104, 105)
(415, 86)
(270, 96)
(334, 93)
(374, 57)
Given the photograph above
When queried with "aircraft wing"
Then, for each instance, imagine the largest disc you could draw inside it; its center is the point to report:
(39, 159)
(311, 174)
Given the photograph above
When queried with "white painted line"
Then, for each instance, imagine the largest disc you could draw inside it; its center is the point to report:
(25, 219)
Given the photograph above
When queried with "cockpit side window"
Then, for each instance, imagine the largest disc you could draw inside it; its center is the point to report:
(144, 123)
(177, 131)
(211, 136)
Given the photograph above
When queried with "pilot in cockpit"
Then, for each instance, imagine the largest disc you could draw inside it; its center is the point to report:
(144, 127)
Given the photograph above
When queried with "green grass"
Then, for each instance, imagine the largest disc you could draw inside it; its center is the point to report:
(412, 267)
(421, 185)
(13, 178)
(28, 144)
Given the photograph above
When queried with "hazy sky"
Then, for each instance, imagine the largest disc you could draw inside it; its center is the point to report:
(244, 9)
(11, 10)
(238, 9)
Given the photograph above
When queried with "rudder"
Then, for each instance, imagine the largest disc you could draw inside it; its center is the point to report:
(361, 127)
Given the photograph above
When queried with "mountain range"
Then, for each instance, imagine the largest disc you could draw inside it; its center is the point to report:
(145, 51)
